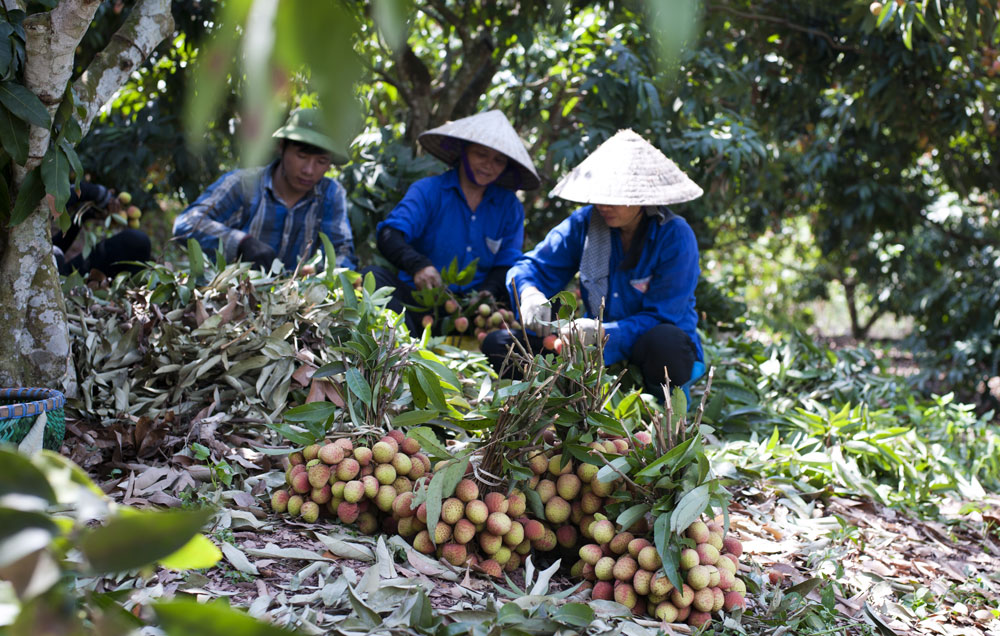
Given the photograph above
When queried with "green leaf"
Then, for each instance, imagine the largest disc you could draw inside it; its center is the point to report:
(313, 413)
(197, 554)
(350, 296)
(678, 402)
(74, 160)
(215, 618)
(391, 17)
(666, 549)
(18, 476)
(453, 473)
(196, 260)
(414, 418)
(6, 54)
(428, 441)
(14, 136)
(5, 200)
(24, 104)
(610, 472)
(138, 538)
(535, 502)
(805, 587)
(675, 454)
(23, 532)
(431, 386)
(432, 499)
(576, 614)
(28, 196)
(427, 360)
(689, 508)
(633, 514)
(358, 386)
(210, 76)
(329, 252)
(333, 368)
(367, 615)
(55, 175)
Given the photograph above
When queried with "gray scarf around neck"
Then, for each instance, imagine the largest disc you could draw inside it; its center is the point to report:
(595, 262)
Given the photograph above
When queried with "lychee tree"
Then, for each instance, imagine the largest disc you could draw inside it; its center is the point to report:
(45, 108)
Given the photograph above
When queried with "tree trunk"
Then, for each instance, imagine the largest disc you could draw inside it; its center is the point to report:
(33, 324)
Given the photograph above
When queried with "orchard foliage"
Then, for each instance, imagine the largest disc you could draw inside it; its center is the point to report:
(854, 119)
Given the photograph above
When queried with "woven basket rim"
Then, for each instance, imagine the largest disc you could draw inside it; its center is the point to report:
(29, 401)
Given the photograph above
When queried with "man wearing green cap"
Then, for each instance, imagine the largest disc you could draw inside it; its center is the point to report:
(277, 211)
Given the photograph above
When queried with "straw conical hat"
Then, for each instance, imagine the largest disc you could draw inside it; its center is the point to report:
(627, 170)
(489, 129)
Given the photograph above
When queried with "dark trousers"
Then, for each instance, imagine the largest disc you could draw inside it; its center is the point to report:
(665, 345)
(110, 255)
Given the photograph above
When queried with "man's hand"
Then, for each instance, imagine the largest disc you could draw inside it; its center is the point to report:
(586, 330)
(427, 278)
(535, 311)
(255, 251)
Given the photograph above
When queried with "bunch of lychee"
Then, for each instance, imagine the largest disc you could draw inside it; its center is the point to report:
(570, 495)
(487, 530)
(628, 569)
(351, 483)
(481, 316)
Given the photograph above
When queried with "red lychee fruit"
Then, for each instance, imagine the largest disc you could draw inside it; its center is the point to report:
(348, 512)
(310, 511)
(467, 490)
(603, 591)
(496, 502)
(603, 531)
(625, 568)
(331, 454)
(733, 600)
(279, 501)
(477, 511)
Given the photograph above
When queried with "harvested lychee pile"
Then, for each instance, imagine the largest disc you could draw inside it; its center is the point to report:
(351, 483)
(561, 510)
(628, 569)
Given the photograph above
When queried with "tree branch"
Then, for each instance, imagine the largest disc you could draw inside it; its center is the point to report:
(784, 22)
(146, 26)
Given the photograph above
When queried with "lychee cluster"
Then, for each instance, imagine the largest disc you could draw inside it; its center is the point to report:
(480, 315)
(487, 530)
(627, 569)
(570, 494)
(351, 483)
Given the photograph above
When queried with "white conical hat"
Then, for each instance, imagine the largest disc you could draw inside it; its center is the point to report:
(627, 170)
(489, 129)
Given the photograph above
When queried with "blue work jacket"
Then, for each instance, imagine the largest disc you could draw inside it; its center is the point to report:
(660, 288)
(437, 222)
(243, 202)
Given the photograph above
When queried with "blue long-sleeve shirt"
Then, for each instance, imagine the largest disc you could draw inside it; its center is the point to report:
(437, 222)
(660, 288)
(243, 202)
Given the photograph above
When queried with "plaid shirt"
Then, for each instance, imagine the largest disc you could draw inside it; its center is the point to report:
(243, 202)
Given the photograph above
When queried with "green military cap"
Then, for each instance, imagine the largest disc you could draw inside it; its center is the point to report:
(305, 125)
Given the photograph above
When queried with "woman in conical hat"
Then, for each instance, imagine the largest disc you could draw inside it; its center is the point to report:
(469, 212)
(635, 257)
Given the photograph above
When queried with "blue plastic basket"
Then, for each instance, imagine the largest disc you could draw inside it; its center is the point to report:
(20, 407)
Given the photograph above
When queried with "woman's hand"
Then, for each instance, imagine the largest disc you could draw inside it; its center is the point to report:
(587, 330)
(427, 278)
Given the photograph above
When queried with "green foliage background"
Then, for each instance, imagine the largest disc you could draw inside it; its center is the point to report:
(871, 137)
